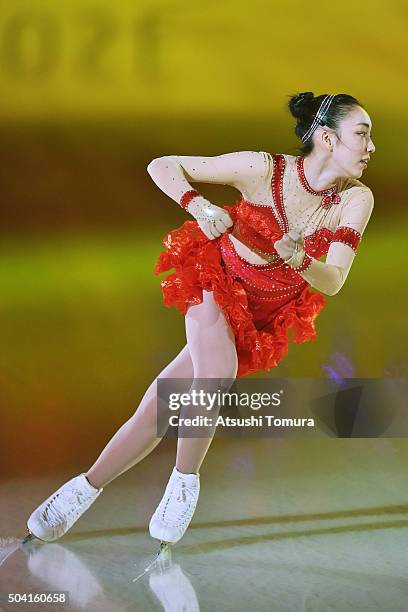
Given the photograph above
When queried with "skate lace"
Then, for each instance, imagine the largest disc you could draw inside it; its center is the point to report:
(64, 505)
(177, 513)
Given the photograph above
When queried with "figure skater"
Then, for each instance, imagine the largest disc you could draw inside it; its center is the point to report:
(242, 279)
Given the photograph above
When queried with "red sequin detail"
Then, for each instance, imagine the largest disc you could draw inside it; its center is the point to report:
(260, 302)
(330, 195)
(348, 236)
(277, 189)
(328, 200)
(303, 180)
(256, 226)
(260, 326)
(187, 197)
(276, 281)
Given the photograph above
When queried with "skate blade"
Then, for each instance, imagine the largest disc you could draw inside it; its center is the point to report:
(164, 547)
(29, 538)
(163, 554)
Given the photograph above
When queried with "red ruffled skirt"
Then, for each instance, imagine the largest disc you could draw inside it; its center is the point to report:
(260, 327)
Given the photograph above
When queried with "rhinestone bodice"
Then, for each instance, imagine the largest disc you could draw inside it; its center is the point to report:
(258, 227)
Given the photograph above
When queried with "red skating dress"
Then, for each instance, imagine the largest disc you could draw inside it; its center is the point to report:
(261, 302)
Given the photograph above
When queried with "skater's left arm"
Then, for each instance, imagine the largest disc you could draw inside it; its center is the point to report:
(330, 276)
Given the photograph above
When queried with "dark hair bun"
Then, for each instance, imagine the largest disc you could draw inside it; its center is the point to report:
(299, 104)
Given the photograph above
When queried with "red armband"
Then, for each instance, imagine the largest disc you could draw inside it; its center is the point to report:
(186, 197)
(347, 235)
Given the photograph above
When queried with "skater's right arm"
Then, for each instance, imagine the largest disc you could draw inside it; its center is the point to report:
(173, 174)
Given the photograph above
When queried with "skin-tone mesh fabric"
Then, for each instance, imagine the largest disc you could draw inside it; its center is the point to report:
(251, 172)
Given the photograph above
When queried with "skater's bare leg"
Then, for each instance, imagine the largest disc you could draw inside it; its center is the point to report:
(137, 437)
(212, 348)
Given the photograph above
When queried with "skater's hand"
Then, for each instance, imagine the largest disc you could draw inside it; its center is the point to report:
(291, 245)
(212, 220)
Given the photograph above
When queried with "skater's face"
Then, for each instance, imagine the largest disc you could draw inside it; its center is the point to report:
(350, 143)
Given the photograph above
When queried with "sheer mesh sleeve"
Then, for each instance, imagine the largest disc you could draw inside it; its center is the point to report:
(330, 276)
(174, 173)
(354, 219)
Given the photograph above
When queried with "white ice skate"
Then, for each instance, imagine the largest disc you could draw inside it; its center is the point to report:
(175, 511)
(62, 509)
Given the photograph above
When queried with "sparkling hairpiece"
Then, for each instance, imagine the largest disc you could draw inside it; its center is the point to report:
(323, 108)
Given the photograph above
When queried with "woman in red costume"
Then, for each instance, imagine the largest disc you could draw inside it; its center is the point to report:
(242, 277)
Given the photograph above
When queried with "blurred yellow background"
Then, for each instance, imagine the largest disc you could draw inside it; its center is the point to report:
(80, 58)
(90, 93)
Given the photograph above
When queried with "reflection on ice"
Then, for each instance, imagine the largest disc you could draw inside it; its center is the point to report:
(61, 570)
(7, 547)
(172, 587)
(169, 583)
